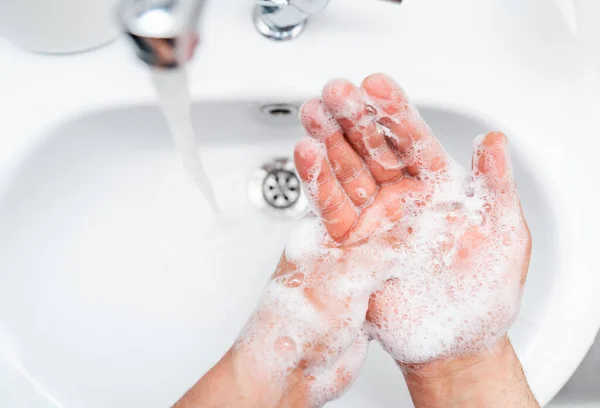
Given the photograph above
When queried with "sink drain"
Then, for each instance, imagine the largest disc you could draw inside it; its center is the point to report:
(279, 109)
(276, 189)
(281, 188)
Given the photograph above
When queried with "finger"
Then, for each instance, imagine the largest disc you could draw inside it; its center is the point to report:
(328, 198)
(358, 121)
(528, 245)
(418, 147)
(491, 161)
(352, 173)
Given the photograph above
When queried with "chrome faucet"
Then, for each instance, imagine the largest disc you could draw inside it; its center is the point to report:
(284, 19)
(164, 32)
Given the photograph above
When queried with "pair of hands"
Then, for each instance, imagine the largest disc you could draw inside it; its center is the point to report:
(404, 247)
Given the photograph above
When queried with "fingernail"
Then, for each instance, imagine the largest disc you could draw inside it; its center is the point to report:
(308, 149)
(343, 99)
(317, 120)
(492, 138)
(381, 86)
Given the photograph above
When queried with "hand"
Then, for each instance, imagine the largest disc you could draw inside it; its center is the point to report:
(447, 249)
(305, 342)
(452, 246)
(443, 251)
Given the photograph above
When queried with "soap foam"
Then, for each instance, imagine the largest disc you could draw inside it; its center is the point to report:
(314, 309)
(452, 306)
(322, 123)
(445, 276)
(330, 383)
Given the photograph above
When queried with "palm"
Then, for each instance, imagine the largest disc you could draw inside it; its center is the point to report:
(378, 177)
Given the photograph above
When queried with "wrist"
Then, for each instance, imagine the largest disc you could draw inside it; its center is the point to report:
(492, 378)
(247, 385)
(232, 383)
(256, 387)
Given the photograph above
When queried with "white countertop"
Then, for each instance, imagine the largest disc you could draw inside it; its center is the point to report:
(494, 58)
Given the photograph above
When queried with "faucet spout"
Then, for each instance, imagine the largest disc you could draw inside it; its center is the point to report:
(164, 33)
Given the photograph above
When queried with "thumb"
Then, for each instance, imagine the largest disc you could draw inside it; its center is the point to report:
(491, 161)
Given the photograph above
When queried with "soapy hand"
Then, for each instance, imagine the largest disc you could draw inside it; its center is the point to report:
(443, 251)
(405, 246)
(452, 246)
(306, 339)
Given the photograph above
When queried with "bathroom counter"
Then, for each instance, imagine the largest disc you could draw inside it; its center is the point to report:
(520, 65)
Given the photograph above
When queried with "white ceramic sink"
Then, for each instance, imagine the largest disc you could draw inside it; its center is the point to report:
(119, 288)
(582, 389)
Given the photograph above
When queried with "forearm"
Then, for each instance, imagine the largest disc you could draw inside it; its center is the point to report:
(219, 388)
(491, 379)
(231, 383)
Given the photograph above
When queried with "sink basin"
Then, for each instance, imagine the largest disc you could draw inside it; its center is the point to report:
(582, 389)
(119, 288)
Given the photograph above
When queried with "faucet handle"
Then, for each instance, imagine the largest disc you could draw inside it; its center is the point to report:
(306, 6)
(272, 3)
(310, 6)
(284, 19)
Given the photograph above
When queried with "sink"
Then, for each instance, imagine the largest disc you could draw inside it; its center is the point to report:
(120, 288)
(117, 286)
(582, 389)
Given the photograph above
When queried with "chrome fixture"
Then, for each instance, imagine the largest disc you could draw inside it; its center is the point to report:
(284, 19)
(275, 189)
(164, 32)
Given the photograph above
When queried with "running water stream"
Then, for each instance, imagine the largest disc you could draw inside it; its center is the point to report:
(174, 98)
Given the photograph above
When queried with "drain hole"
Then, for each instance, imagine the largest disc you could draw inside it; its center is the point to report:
(279, 109)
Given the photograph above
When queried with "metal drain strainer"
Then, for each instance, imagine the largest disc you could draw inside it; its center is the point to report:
(276, 189)
(281, 188)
